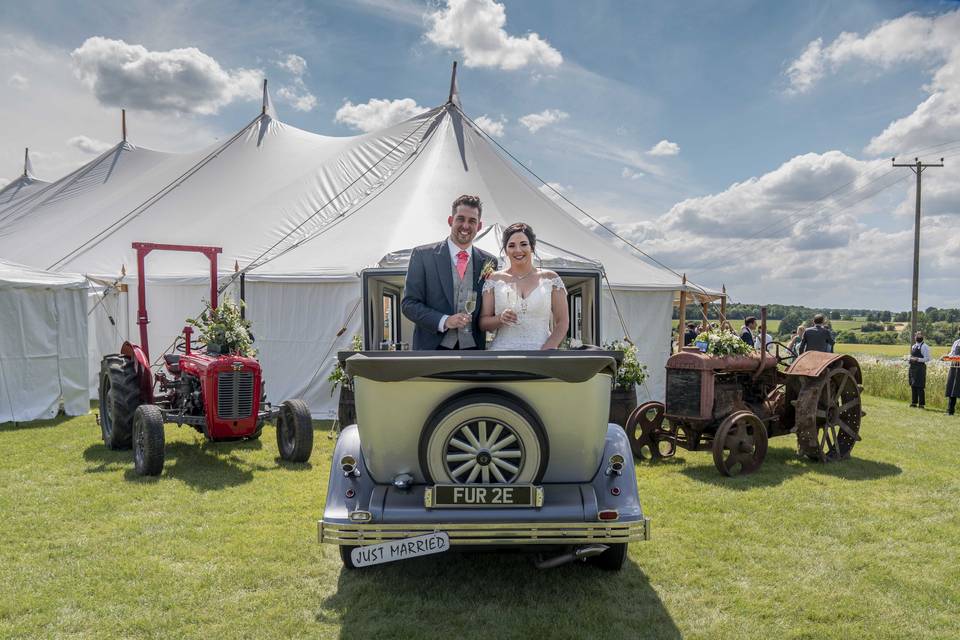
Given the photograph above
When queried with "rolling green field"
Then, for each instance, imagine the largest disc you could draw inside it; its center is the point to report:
(887, 350)
(773, 326)
(223, 545)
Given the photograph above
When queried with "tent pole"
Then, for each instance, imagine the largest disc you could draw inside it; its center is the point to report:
(123, 123)
(683, 314)
(723, 306)
(263, 108)
(26, 160)
(453, 82)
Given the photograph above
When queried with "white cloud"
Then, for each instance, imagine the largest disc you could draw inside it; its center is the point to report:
(664, 148)
(377, 114)
(88, 145)
(18, 81)
(492, 127)
(178, 80)
(476, 28)
(58, 105)
(294, 64)
(630, 174)
(909, 38)
(536, 121)
(297, 97)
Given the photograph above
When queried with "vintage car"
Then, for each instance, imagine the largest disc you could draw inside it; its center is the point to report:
(475, 449)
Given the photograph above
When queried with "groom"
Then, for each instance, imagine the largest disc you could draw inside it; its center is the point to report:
(440, 278)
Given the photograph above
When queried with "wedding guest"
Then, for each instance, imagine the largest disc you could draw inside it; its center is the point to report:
(746, 334)
(817, 337)
(690, 335)
(917, 377)
(795, 340)
(953, 378)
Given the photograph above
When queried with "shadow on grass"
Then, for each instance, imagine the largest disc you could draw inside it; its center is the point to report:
(782, 464)
(37, 424)
(205, 466)
(495, 595)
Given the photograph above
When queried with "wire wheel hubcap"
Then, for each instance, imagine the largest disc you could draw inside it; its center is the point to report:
(484, 450)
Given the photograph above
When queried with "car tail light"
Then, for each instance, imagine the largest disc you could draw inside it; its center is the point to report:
(608, 514)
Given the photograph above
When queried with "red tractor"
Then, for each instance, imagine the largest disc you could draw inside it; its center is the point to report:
(220, 395)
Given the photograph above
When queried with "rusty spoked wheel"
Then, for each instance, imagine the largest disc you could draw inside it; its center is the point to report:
(828, 416)
(649, 439)
(740, 444)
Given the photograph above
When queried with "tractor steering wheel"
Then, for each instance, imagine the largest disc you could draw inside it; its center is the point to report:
(784, 359)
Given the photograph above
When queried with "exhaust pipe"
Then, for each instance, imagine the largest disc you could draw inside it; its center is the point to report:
(580, 553)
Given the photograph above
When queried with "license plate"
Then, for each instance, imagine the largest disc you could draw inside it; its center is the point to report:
(400, 549)
(458, 495)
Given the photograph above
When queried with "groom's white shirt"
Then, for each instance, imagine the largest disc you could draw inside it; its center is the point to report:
(454, 250)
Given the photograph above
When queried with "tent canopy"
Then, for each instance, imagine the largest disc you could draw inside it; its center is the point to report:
(289, 204)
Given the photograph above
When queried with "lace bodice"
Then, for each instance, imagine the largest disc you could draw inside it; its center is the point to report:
(535, 311)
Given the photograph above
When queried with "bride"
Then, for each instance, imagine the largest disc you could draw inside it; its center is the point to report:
(521, 302)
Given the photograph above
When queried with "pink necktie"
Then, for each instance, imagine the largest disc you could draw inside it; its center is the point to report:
(462, 263)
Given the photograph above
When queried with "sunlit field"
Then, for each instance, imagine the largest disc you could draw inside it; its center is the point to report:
(223, 545)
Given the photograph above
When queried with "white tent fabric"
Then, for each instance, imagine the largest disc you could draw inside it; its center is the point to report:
(303, 214)
(43, 344)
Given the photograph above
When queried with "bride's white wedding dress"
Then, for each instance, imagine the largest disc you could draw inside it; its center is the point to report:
(535, 313)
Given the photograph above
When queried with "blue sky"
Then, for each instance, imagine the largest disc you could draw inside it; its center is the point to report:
(747, 131)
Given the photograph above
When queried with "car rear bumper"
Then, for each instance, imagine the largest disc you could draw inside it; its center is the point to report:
(512, 533)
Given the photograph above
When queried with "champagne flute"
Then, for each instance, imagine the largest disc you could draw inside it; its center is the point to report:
(471, 304)
(513, 298)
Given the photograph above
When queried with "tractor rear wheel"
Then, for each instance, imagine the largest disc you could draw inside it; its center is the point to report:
(148, 444)
(294, 431)
(119, 398)
(828, 415)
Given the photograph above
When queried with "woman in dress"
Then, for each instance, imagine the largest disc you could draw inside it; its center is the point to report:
(526, 306)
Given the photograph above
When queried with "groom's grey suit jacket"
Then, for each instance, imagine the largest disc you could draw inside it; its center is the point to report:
(428, 293)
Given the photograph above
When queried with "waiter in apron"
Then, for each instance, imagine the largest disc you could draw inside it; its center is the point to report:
(953, 377)
(919, 357)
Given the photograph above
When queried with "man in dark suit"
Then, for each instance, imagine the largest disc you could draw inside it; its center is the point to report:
(748, 327)
(440, 280)
(817, 337)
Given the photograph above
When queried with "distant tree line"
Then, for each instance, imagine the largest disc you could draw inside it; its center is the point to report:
(940, 326)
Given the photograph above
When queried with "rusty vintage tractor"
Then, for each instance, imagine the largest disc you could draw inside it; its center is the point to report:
(733, 404)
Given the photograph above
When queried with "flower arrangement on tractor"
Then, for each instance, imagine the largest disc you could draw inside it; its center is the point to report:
(216, 387)
(728, 397)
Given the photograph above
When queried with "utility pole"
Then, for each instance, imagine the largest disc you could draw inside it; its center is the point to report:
(917, 167)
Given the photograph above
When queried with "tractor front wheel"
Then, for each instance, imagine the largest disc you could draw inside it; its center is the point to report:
(294, 431)
(148, 443)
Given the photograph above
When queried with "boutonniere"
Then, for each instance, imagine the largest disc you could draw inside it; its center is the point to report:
(488, 268)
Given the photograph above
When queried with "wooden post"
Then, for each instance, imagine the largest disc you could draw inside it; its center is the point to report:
(704, 308)
(681, 327)
(123, 123)
(723, 306)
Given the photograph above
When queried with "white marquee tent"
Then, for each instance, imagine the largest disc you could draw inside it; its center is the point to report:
(302, 214)
(43, 343)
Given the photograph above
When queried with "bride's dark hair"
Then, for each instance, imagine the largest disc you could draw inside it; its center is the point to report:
(519, 227)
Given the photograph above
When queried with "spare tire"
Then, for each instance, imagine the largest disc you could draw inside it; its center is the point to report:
(483, 437)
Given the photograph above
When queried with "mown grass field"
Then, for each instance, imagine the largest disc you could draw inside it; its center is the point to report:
(223, 545)
(887, 350)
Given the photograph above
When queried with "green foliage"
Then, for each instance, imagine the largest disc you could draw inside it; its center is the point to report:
(836, 315)
(848, 337)
(222, 330)
(338, 376)
(790, 322)
(888, 379)
(631, 371)
(724, 343)
(867, 327)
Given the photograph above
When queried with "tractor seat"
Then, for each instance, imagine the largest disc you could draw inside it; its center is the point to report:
(172, 361)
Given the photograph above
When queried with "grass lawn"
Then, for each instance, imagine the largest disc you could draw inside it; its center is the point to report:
(773, 326)
(223, 545)
(887, 350)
